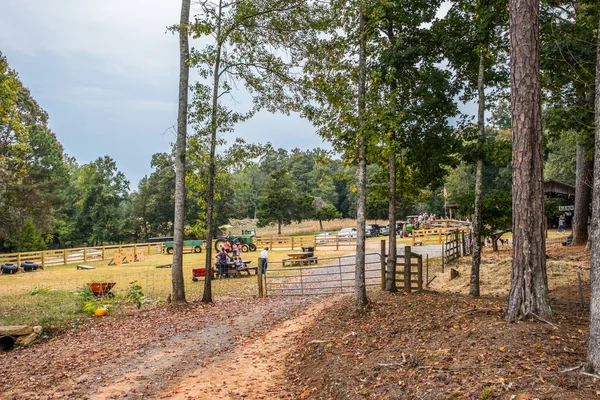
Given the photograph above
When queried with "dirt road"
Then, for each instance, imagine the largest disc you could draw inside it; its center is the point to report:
(234, 349)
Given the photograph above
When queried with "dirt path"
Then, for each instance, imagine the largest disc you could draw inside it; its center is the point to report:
(166, 353)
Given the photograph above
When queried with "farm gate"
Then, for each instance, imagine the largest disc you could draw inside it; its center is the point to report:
(409, 270)
(329, 275)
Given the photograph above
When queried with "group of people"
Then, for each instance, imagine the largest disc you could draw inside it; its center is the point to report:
(224, 259)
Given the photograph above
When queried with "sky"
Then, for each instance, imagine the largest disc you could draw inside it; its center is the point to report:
(107, 74)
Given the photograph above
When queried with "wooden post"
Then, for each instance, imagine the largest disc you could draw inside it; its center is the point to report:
(293, 243)
(85, 254)
(148, 248)
(103, 253)
(442, 257)
(427, 270)
(65, 257)
(260, 275)
(135, 249)
(271, 244)
(19, 259)
(420, 273)
(580, 289)
(43, 259)
(407, 269)
(383, 265)
(337, 243)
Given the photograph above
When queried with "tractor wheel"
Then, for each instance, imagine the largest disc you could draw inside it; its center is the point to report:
(245, 248)
(197, 249)
(169, 250)
(252, 247)
(219, 243)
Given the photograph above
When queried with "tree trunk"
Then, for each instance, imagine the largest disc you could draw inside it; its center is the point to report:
(210, 190)
(321, 225)
(583, 192)
(180, 150)
(593, 351)
(279, 228)
(529, 283)
(390, 278)
(360, 287)
(477, 216)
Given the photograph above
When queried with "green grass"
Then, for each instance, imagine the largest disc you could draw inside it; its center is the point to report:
(52, 297)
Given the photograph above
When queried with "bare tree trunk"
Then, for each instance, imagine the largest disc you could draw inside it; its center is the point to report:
(360, 288)
(529, 283)
(390, 278)
(210, 190)
(593, 351)
(583, 197)
(477, 214)
(180, 150)
(279, 228)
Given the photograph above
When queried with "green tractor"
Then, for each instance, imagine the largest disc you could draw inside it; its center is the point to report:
(245, 240)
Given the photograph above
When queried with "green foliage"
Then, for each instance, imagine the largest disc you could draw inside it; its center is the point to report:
(27, 238)
(280, 202)
(135, 295)
(487, 393)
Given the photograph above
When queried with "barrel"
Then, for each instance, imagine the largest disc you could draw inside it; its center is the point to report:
(9, 268)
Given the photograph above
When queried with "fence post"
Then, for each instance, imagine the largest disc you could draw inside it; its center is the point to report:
(103, 253)
(337, 243)
(43, 259)
(407, 269)
(464, 248)
(427, 270)
(271, 244)
(19, 259)
(383, 264)
(420, 273)
(292, 243)
(259, 274)
(85, 254)
(443, 250)
(65, 257)
(135, 249)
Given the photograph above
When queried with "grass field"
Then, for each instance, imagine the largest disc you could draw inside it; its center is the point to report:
(53, 297)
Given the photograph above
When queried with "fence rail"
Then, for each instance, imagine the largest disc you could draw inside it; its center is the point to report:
(429, 236)
(81, 254)
(283, 242)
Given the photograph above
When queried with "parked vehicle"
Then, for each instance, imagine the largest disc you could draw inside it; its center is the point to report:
(196, 246)
(372, 230)
(384, 230)
(347, 232)
(245, 241)
(323, 237)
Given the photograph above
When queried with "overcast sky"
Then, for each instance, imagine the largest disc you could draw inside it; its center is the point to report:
(107, 74)
(106, 71)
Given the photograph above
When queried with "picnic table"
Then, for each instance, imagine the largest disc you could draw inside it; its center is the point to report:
(300, 257)
(233, 271)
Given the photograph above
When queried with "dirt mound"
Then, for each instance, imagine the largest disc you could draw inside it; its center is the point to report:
(440, 346)
(562, 265)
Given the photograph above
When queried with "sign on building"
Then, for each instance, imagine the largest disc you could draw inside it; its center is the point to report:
(566, 208)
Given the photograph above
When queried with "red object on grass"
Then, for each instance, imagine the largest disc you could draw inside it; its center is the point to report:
(198, 272)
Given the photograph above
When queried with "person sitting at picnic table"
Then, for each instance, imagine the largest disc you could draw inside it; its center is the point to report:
(222, 260)
(239, 264)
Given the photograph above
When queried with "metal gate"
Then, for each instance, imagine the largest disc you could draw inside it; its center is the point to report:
(329, 275)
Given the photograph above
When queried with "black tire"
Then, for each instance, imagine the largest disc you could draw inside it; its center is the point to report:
(169, 250)
(197, 249)
(194, 279)
(252, 247)
(219, 243)
(245, 248)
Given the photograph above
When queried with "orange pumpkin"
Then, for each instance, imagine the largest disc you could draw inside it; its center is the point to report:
(100, 312)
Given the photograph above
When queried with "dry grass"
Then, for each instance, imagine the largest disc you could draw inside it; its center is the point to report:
(562, 266)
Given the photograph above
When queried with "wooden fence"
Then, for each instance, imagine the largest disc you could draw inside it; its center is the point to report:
(81, 254)
(432, 236)
(337, 241)
(408, 267)
(283, 242)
